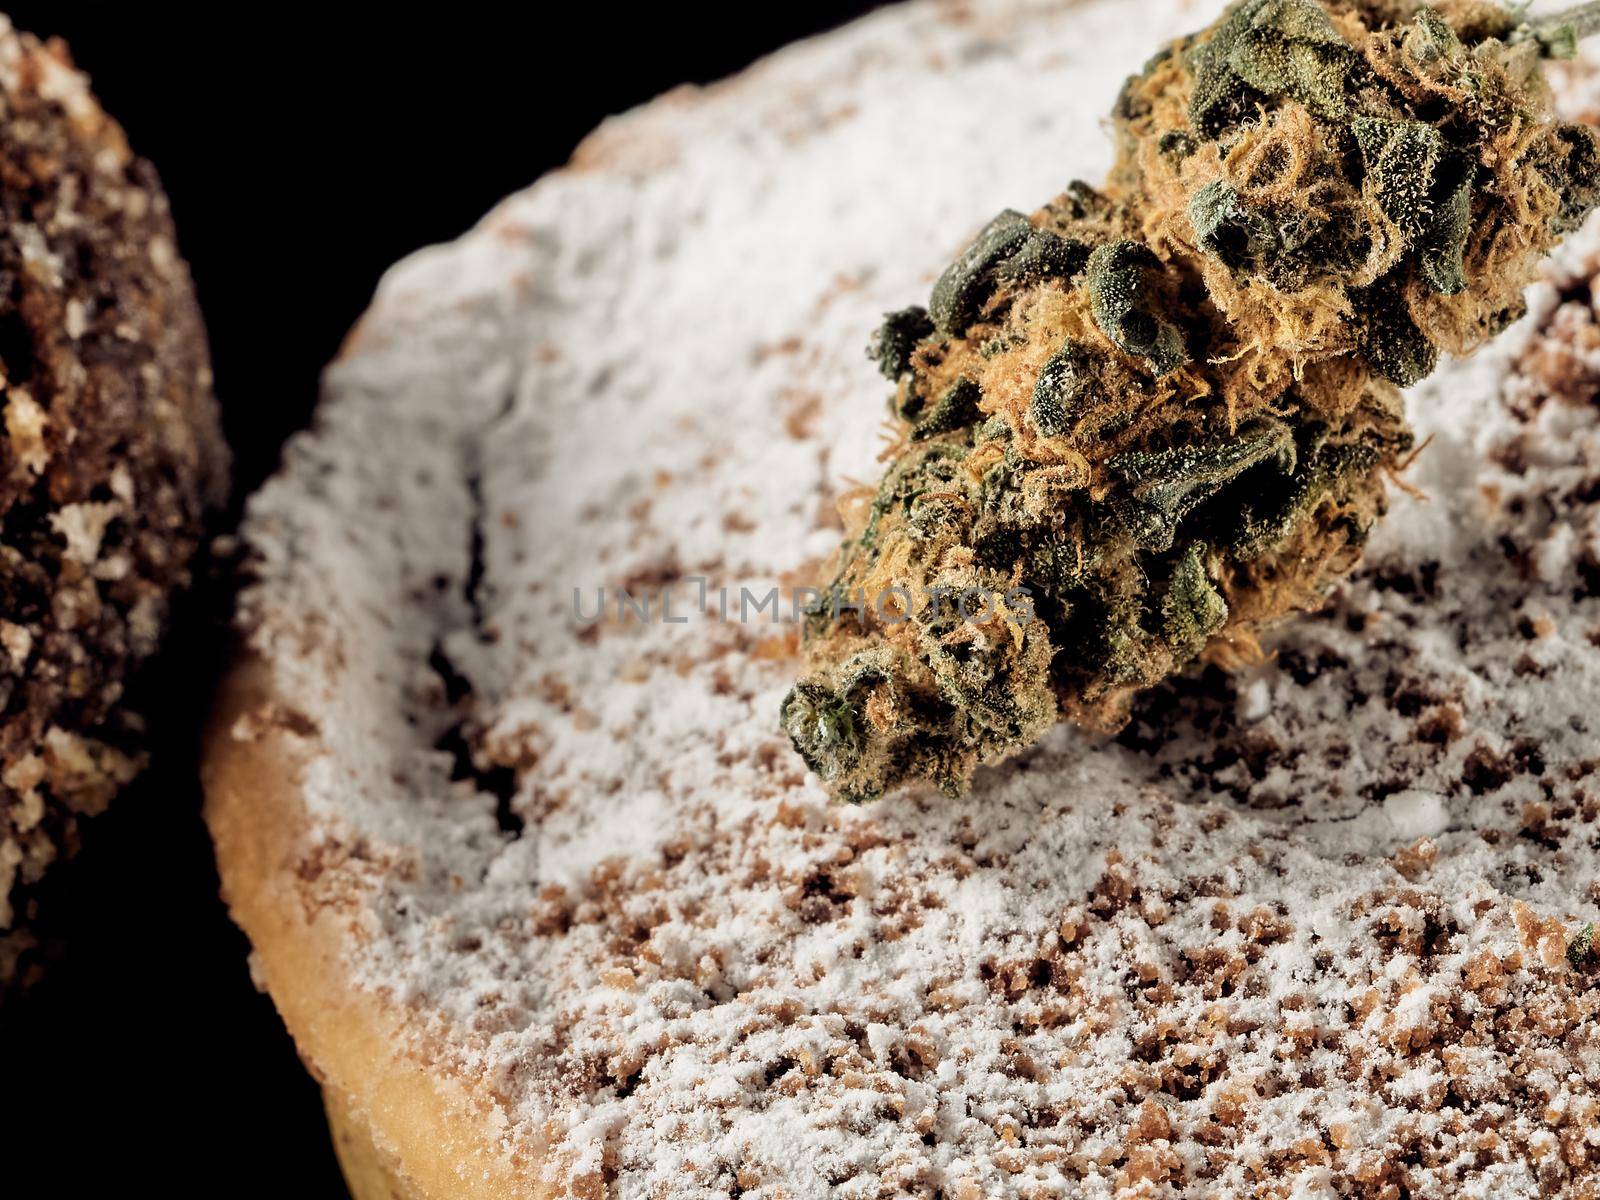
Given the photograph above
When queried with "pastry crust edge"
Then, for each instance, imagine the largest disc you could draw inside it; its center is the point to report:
(403, 1129)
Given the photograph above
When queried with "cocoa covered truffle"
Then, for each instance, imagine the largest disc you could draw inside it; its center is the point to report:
(111, 454)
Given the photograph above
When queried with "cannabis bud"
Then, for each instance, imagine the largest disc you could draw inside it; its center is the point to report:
(1149, 419)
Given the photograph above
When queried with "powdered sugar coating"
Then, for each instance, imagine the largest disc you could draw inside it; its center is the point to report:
(1299, 932)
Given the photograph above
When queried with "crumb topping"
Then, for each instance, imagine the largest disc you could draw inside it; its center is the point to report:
(110, 453)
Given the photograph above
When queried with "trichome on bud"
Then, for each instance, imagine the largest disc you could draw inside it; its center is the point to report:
(1165, 409)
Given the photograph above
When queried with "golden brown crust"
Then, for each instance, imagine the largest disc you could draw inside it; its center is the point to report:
(368, 1172)
(412, 1127)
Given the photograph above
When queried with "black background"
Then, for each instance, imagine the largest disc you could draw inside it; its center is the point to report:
(304, 153)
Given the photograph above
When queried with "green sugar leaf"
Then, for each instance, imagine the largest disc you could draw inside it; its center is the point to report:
(967, 283)
(1193, 609)
(899, 335)
(1126, 304)
(956, 409)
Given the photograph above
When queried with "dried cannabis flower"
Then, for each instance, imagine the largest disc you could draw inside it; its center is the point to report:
(1153, 418)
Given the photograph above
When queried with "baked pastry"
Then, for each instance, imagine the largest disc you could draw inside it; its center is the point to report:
(111, 453)
(552, 908)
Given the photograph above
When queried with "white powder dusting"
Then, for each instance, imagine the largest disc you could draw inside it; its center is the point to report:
(1302, 932)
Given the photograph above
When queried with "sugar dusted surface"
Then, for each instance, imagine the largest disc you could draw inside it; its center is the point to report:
(1302, 931)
